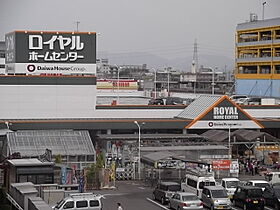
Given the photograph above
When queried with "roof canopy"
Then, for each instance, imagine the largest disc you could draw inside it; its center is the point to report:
(238, 135)
(32, 143)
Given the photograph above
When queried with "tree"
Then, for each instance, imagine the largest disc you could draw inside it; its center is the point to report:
(92, 172)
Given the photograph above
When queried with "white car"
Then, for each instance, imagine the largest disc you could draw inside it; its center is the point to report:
(258, 183)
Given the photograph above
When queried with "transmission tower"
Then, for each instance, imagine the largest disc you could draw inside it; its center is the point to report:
(195, 67)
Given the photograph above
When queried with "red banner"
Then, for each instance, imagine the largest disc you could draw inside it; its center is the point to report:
(221, 164)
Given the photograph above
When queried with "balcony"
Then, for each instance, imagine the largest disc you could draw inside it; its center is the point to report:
(256, 59)
(254, 43)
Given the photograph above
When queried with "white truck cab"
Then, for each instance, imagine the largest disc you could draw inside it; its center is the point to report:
(80, 201)
(230, 185)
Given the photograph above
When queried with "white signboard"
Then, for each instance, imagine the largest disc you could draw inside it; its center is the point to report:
(234, 167)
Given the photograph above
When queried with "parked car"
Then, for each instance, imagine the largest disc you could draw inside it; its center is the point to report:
(258, 183)
(174, 101)
(248, 197)
(156, 101)
(215, 197)
(185, 200)
(230, 185)
(272, 196)
(236, 97)
(165, 190)
(86, 201)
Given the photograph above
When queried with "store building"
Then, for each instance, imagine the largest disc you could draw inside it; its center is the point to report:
(258, 57)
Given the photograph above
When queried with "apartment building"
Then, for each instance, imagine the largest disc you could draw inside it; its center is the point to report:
(258, 57)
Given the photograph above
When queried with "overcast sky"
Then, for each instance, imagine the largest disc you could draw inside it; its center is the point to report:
(163, 27)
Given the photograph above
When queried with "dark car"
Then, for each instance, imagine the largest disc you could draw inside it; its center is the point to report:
(248, 197)
(271, 196)
(165, 190)
(156, 101)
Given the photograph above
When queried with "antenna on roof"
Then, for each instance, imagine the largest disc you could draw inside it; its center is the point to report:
(253, 17)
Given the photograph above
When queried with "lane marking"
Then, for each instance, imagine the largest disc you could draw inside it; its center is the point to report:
(154, 202)
(116, 194)
(268, 208)
(142, 188)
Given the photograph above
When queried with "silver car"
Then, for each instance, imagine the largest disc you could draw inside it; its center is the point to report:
(185, 200)
(215, 197)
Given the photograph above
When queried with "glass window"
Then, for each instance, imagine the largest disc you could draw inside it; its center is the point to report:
(69, 205)
(219, 194)
(255, 192)
(190, 198)
(232, 184)
(94, 203)
(202, 184)
(22, 178)
(174, 188)
(262, 185)
(81, 204)
(192, 183)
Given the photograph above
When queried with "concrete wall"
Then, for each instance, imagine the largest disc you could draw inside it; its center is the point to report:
(47, 101)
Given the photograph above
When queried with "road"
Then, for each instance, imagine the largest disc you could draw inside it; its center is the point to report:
(134, 196)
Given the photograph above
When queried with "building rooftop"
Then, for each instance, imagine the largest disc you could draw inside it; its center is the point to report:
(33, 143)
(258, 24)
(198, 106)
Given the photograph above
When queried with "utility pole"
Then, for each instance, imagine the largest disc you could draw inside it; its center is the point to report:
(77, 25)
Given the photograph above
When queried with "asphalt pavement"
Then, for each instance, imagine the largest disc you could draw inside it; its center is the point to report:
(135, 195)
(132, 195)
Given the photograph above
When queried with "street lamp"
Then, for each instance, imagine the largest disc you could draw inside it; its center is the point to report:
(118, 83)
(213, 81)
(264, 3)
(229, 141)
(139, 148)
(168, 82)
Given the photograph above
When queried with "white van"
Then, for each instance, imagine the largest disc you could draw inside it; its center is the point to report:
(230, 185)
(273, 177)
(258, 183)
(195, 183)
(80, 201)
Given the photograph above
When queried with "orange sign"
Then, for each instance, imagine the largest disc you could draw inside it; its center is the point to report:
(220, 164)
(269, 147)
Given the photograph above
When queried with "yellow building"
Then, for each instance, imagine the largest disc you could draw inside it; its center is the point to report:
(258, 58)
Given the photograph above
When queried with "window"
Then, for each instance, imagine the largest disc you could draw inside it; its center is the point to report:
(265, 69)
(2, 55)
(202, 184)
(277, 69)
(69, 205)
(2, 66)
(174, 188)
(94, 203)
(81, 204)
(192, 183)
